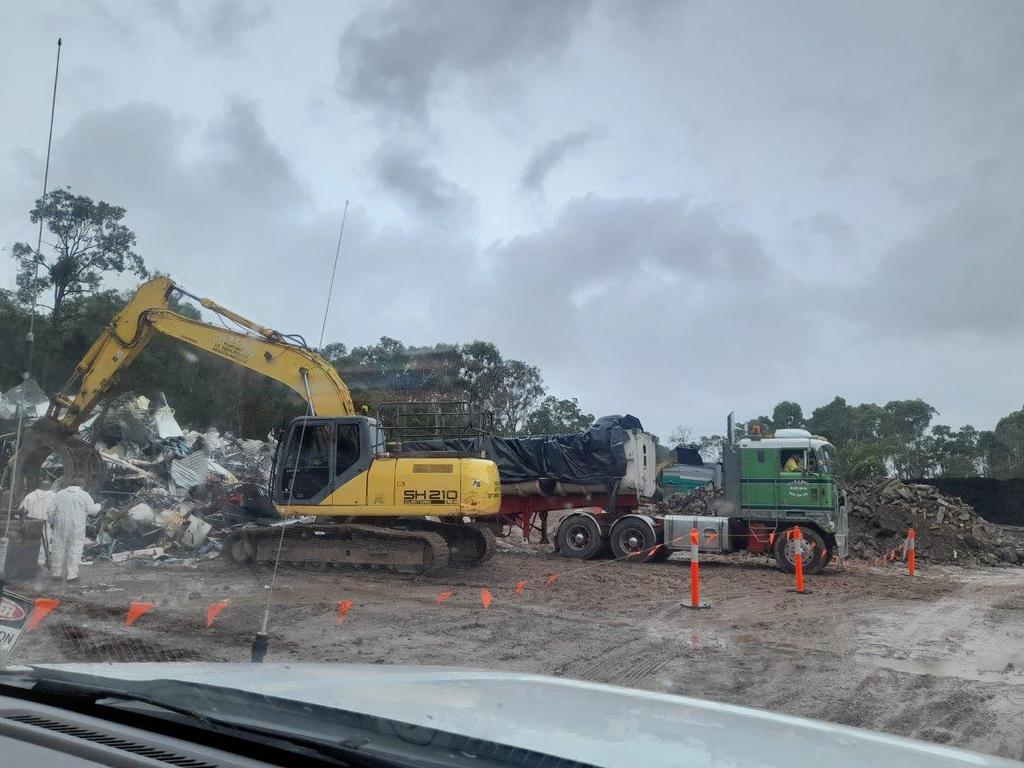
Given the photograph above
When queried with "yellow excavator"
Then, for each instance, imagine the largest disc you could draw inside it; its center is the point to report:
(372, 501)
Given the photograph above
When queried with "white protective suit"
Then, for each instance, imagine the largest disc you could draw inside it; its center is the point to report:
(72, 507)
(38, 505)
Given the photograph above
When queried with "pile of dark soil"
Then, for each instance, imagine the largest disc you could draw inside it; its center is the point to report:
(948, 529)
(998, 501)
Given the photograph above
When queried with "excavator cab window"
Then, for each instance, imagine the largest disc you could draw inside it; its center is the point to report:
(307, 464)
(348, 447)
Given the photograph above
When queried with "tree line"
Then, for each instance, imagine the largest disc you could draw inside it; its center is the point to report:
(896, 439)
(88, 241)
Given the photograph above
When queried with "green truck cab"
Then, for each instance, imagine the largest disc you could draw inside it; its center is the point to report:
(774, 483)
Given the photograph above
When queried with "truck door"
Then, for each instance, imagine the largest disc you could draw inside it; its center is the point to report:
(800, 483)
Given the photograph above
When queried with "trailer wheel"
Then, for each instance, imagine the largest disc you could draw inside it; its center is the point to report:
(815, 554)
(634, 538)
(578, 536)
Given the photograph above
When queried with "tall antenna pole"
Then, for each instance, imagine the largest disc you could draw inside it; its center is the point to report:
(334, 271)
(261, 640)
(30, 336)
(39, 241)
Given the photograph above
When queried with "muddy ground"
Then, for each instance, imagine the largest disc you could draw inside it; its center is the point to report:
(937, 657)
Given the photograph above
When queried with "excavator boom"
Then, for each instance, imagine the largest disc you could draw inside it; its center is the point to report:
(262, 350)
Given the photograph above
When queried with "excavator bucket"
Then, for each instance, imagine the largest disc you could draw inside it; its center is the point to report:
(45, 437)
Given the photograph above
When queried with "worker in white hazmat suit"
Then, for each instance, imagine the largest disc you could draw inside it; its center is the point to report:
(71, 509)
(38, 506)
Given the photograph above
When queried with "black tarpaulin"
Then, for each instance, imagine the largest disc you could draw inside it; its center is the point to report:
(595, 456)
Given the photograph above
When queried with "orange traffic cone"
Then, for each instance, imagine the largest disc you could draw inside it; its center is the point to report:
(798, 560)
(344, 606)
(135, 610)
(42, 608)
(213, 611)
(695, 601)
(911, 552)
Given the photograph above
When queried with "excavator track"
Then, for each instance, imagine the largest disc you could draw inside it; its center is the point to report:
(468, 544)
(317, 546)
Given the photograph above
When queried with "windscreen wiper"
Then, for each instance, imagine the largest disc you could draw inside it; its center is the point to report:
(98, 702)
(358, 738)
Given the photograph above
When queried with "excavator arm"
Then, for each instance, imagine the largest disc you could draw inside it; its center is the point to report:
(259, 349)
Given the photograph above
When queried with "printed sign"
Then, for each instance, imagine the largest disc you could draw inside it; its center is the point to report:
(15, 611)
(798, 489)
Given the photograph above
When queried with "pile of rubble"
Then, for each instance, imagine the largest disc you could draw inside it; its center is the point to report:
(26, 399)
(167, 488)
(948, 529)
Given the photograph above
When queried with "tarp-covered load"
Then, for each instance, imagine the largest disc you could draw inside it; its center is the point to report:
(595, 456)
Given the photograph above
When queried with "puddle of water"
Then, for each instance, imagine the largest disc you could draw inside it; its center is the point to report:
(1003, 668)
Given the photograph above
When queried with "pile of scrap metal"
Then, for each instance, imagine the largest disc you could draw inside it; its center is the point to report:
(26, 400)
(169, 488)
(143, 446)
(166, 488)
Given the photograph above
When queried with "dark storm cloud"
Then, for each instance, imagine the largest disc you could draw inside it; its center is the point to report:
(232, 193)
(962, 273)
(225, 23)
(605, 262)
(406, 172)
(220, 27)
(651, 305)
(547, 157)
(832, 228)
(222, 210)
(136, 151)
(395, 58)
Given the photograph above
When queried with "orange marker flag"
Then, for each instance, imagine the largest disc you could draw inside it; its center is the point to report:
(213, 611)
(135, 610)
(485, 598)
(771, 539)
(344, 606)
(42, 608)
(551, 579)
(520, 587)
(444, 596)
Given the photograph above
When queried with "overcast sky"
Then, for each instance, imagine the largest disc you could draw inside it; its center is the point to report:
(675, 209)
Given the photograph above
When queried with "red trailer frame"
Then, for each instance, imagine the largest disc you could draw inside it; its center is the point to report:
(530, 513)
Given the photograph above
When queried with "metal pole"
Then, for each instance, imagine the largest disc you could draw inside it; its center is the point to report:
(30, 336)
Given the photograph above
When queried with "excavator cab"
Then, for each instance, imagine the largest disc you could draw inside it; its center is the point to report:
(340, 466)
(319, 455)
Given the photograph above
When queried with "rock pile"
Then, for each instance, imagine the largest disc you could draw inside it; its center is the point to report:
(948, 529)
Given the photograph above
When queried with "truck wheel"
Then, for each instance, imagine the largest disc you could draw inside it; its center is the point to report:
(633, 538)
(815, 555)
(578, 536)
